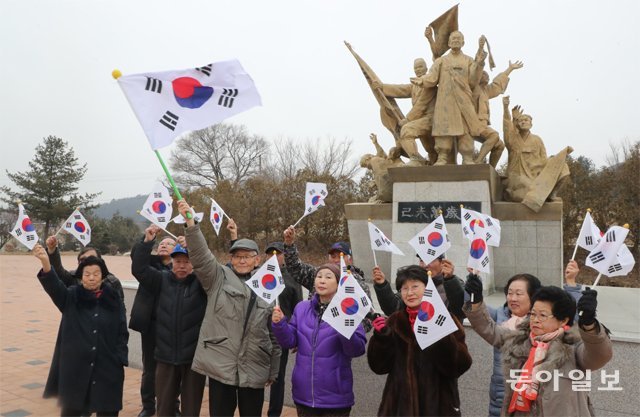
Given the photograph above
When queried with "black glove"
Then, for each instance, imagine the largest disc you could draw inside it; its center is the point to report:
(474, 288)
(587, 307)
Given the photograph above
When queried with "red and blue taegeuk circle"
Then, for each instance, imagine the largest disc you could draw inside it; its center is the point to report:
(27, 226)
(216, 217)
(189, 93)
(478, 248)
(158, 207)
(435, 239)
(474, 222)
(343, 280)
(315, 200)
(80, 227)
(269, 281)
(349, 306)
(426, 311)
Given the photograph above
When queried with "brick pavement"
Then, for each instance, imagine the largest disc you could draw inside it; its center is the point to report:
(28, 326)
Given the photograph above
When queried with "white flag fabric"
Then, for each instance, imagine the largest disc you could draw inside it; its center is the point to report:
(216, 215)
(491, 226)
(314, 197)
(349, 306)
(433, 321)
(379, 241)
(479, 249)
(169, 103)
(181, 220)
(267, 282)
(158, 207)
(590, 234)
(24, 230)
(624, 263)
(432, 241)
(604, 255)
(78, 226)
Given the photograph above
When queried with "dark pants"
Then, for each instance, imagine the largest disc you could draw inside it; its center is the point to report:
(276, 397)
(304, 411)
(174, 380)
(224, 398)
(148, 381)
(67, 412)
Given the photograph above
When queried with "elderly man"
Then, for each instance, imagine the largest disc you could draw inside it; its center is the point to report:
(236, 348)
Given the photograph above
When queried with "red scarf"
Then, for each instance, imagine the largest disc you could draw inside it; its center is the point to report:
(413, 313)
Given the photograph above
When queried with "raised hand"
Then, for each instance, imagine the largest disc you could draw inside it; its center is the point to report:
(378, 275)
(290, 235)
(277, 314)
(587, 307)
(52, 244)
(474, 288)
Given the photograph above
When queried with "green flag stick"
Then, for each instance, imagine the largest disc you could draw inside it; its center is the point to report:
(170, 178)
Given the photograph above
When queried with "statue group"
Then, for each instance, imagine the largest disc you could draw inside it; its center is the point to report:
(450, 111)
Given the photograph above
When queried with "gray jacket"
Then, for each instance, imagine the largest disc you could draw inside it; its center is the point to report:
(227, 351)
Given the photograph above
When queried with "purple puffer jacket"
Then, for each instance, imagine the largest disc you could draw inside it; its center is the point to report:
(322, 376)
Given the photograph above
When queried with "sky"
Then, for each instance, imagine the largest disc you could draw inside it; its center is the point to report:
(579, 79)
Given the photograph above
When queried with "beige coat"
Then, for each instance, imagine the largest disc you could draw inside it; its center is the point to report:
(576, 350)
(225, 352)
(455, 76)
(422, 99)
(483, 93)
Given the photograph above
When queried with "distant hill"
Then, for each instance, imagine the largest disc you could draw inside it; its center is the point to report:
(127, 207)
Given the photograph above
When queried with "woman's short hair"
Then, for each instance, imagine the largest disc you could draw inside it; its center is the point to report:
(92, 260)
(563, 306)
(87, 249)
(411, 272)
(533, 283)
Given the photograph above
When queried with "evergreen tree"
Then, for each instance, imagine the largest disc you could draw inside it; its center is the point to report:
(49, 188)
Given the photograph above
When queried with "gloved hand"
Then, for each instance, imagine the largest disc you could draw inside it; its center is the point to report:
(587, 307)
(379, 323)
(474, 288)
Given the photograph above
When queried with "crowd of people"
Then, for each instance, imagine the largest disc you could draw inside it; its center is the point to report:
(200, 323)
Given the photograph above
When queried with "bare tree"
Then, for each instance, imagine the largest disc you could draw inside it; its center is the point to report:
(220, 152)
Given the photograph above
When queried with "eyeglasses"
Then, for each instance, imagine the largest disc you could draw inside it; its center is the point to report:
(243, 258)
(413, 289)
(539, 317)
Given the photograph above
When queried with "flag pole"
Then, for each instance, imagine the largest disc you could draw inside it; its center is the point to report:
(170, 178)
(444, 254)
(299, 220)
(161, 228)
(597, 280)
(375, 261)
(573, 257)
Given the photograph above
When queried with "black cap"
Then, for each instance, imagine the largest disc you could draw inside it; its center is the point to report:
(274, 246)
(340, 247)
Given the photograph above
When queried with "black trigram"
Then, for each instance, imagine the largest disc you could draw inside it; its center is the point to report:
(440, 320)
(157, 195)
(485, 261)
(227, 97)
(588, 240)
(206, 70)
(161, 219)
(467, 216)
(255, 284)
(614, 268)
(428, 292)
(349, 290)
(312, 191)
(349, 322)
(489, 222)
(596, 257)
(377, 231)
(488, 236)
(169, 120)
(77, 216)
(280, 280)
(364, 301)
(154, 85)
(421, 240)
(323, 192)
(82, 237)
(431, 252)
(611, 236)
(438, 226)
(68, 225)
(309, 209)
(266, 295)
(465, 230)
(30, 238)
(18, 232)
(334, 312)
(378, 243)
(271, 267)
(422, 330)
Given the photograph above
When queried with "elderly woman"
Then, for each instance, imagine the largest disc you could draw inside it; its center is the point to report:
(518, 291)
(322, 380)
(542, 355)
(88, 375)
(419, 382)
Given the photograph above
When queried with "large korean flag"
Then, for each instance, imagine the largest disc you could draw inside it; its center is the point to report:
(267, 282)
(24, 230)
(605, 255)
(349, 306)
(158, 207)
(433, 321)
(490, 224)
(78, 226)
(169, 103)
(432, 241)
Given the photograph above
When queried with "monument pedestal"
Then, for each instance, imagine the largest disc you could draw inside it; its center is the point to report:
(530, 242)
